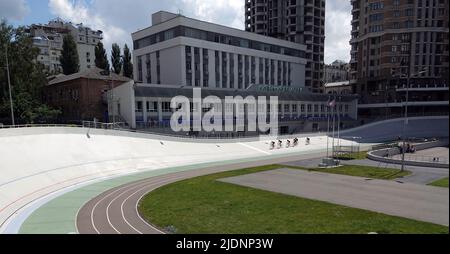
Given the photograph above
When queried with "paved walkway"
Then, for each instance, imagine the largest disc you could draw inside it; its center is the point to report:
(419, 202)
(427, 155)
(420, 175)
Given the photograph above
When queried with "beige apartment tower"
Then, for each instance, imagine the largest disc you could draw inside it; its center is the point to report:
(396, 39)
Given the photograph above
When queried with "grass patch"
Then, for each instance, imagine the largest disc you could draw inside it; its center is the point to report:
(204, 205)
(353, 156)
(440, 183)
(361, 171)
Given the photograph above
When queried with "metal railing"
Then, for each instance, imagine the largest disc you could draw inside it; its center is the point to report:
(104, 126)
(37, 126)
(423, 158)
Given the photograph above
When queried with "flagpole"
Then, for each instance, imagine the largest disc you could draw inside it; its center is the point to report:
(334, 123)
(328, 127)
(339, 123)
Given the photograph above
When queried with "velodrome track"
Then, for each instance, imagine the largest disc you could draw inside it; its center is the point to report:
(115, 211)
(38, 164)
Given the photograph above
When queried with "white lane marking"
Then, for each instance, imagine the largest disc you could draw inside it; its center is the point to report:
(145, 187)
(142, 182)
(95, 207)
(254, 148)
(139, 216)
(105, 197)
(128, 189)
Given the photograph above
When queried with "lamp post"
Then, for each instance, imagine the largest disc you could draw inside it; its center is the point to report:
(408, 79)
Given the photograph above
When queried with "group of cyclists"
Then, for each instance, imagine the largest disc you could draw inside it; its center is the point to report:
(294, 143)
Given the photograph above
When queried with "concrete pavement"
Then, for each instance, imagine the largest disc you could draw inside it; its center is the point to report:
(418, 202)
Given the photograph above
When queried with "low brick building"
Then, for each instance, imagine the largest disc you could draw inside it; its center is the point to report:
(82, 96)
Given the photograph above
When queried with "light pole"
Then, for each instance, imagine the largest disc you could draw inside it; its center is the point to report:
(9, 87)
(408, 79)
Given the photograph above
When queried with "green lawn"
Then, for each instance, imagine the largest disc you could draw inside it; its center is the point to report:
(353, 156)
(362, 171)
(440, 183)
(204, 205)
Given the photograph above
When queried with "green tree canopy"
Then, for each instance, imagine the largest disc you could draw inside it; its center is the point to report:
(27, 78)
(127, 64)
(101, 59)
(116, 58)
(69, 59)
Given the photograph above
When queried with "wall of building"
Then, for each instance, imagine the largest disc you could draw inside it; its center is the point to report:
(153, 111)
(173, 65)
(300, 21)
(123, 103)
(49, 38)
(80, 99)
(395, 38)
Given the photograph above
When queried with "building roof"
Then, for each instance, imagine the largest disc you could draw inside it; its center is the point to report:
(92, 73)
(145, 90)
(179, 19)
(337, 84)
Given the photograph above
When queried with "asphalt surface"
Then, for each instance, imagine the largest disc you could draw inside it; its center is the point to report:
(418, 202)
(115, 211)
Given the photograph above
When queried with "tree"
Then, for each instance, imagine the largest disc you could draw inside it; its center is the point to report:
(27, 78)
(127, 64)
(116, 59)
(69, 59)
(101, 59)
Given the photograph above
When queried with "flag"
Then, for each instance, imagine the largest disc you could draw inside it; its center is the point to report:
(332, 103)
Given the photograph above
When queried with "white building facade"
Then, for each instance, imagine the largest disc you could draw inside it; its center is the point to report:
(148, 106)
(177, 54)
(49, 39)
(177, 50)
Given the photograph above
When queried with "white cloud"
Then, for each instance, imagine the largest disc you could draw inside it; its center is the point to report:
(13, 9)
(337, 30)
(227, 12)
(80, 12)
(119, 18)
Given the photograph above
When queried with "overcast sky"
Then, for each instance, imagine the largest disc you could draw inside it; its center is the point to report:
(119, 18)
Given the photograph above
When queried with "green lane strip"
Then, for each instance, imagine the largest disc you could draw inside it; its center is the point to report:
(58, 216)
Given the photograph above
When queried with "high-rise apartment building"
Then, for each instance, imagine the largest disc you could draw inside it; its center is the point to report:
(396, 39)
(49, 39)
(300, 21)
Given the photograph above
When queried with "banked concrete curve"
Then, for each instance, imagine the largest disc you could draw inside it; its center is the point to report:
(38, 162)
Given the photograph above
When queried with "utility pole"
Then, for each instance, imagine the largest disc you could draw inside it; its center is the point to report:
(9, 86)
(406, 122)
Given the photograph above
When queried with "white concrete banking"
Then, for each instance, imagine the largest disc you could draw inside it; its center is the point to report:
(36, 162)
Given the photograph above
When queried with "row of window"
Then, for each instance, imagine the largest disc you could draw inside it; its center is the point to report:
(148, 65)
(217, 38)
(152, 107)
(224, 67)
